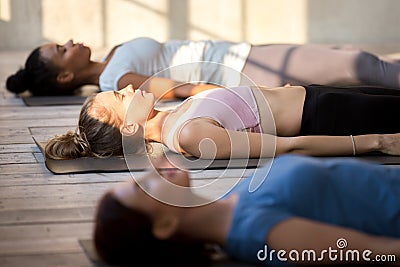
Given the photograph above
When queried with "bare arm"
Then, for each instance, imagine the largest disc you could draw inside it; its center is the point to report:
(161, 87)
(302, 234)
(207, 140)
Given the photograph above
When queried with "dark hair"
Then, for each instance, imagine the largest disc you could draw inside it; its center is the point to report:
(92, 137)
(38, 76)
(123, 236)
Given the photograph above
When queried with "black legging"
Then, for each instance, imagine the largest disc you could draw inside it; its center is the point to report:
(350, 110)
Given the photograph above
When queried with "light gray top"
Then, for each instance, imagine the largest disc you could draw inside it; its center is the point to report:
(218, 62)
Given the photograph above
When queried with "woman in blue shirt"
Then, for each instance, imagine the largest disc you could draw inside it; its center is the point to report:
(306, 210)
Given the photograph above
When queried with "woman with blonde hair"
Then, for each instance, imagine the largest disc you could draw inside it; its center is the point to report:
(240, 122)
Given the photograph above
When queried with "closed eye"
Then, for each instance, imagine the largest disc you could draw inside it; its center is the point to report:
(119, 96)
(61, 49)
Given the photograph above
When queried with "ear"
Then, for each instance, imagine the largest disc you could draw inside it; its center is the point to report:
(165, 227)
(65, 77)
(129, 129)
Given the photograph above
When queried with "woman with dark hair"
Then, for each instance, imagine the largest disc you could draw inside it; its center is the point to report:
(119, 228)
(39, 76)
(307, 210)
(54, 69)
(239, 122)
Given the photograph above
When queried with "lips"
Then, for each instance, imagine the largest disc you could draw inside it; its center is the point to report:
(140, 92)
(80, 45)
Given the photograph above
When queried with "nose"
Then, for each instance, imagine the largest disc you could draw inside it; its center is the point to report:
(130, 89)
(69, 43)
(127, 90)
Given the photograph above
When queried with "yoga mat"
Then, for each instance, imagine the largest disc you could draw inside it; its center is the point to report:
(90, 252)
(77, 98)
(118, 163)
(31, 101)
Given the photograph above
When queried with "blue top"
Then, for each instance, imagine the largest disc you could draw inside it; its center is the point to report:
(342, 192)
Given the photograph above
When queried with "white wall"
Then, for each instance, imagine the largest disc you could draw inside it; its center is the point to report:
(25, 24)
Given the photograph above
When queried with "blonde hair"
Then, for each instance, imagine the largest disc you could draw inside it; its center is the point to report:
(92, 138)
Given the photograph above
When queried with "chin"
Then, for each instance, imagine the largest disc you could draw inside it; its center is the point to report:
(87, 52)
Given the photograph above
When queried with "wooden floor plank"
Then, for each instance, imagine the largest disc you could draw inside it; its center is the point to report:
(23, 168)
(39, 123)
(46, 215)
(75, 259)
(13, 131)
(51, 130)
(17, 158)
(35, 179)
(82, 230)
(16, 139)
(39, 113)
(40, 246)
(16, 148)
(15, 135)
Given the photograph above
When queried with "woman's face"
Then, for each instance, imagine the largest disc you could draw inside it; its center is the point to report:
(138, 103)
(70, 56)
(146, 193)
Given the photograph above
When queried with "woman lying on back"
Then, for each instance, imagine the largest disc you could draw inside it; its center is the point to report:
(304, 205)
(240, 122)
(54, 69)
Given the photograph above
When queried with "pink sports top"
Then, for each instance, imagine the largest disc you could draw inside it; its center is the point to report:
(233, 109)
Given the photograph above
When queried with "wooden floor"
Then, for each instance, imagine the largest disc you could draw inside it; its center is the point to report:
(43, 216)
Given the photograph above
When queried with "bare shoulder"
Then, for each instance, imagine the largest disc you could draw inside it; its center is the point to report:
(195, 131)
(197, 127)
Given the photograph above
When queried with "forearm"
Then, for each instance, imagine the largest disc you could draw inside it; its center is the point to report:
(188, 89)
(328, 145)
(168, 88)
(266, 145)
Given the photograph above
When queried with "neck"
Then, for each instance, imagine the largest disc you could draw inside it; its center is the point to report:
(91, 74)
(155, 124)
(209, 223)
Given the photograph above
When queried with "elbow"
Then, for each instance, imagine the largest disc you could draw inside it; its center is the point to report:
(188, 143)
(191, 142)
(287, 145)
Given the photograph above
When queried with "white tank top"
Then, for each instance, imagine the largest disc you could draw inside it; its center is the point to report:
(146, 56)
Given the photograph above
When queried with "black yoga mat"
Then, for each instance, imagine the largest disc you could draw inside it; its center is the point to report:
(118, 163)
(53, 100)
(77, 98)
